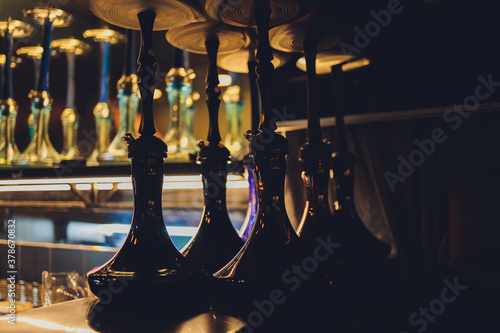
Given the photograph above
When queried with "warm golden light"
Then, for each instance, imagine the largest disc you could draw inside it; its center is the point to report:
(355, 64)
(325, 61)
(157, 94)
(106, 183)
(224, 80)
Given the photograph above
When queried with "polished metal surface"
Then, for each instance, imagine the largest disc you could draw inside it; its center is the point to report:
(71, 45)
(240, 13)
(31, 51)
(325, 61)
(72, 316)
(169, 13)
(193, 36)
(104, 35)
(238, 61)
(290, 37)
(18, 29)
(58, 17)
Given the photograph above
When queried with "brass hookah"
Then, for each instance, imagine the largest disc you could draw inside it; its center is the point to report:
(69, 117)
(9, 29)
(128, 101)
(102, 116)
(35, 53)
(40, 151)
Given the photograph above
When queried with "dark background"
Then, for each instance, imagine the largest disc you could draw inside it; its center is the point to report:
(443, 220)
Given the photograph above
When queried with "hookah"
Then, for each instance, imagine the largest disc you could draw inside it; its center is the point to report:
(233, 102)
(154, 270)
(9, 152)
(243, 61)
(128, 100)
(69, 117)
(35, 53)
(216, 241)
(101, 153)
(179, 138)
(262, 267)
(40, 151)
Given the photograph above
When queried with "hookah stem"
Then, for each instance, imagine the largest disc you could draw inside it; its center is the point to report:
(313, 124)
(36, 67)
(70, 97)
(254, 92)
(130, 62)
(180, 59)
(103, 96)
(265, 68)
(212, 90)
(340, 135)
(147, 72)
(1, 81)
(7, 69)
(43, 80)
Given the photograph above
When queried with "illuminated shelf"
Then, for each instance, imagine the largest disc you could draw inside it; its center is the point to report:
(118, 169)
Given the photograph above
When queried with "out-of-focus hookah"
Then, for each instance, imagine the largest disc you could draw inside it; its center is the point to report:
(105, 37)
(35, 53)
(69, 117)
(128, 100)
(9, 29)
(40, 151)
(179, 138)
(233, 103)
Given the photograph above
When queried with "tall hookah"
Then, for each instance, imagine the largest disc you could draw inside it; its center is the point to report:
(69, 117)
(243, 61)
(154, 270)
(102, 115)
(128, 100)
(273, 248)
(9, 152)
(216, 241)
(40, 151)
(35, 53)
(179, 138)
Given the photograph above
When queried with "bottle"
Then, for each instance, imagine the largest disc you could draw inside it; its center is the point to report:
(35, 295)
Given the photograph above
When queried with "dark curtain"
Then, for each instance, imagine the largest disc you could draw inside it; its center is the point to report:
(441, 217)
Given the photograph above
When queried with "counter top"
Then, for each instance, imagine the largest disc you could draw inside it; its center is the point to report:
(71, 316)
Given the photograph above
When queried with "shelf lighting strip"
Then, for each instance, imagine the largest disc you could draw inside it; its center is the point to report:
(106, 183)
